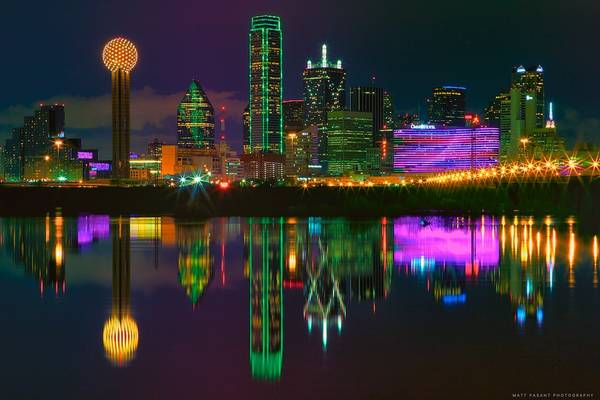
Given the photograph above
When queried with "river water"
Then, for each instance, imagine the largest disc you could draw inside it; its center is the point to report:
(407, 307)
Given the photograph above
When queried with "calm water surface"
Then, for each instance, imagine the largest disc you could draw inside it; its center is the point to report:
(410, 307)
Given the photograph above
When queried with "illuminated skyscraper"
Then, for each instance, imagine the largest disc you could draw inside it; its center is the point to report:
(13, 168)
(389, 121)
(349, 141)
(493, 112)
(195, 119)
(155, 149)
(266, 122)
(447, 106)
(324, 89)
(369, 99)
(120, 56)
(530, 81)
(297, 153)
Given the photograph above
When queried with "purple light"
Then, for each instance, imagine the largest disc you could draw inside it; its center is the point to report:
(99, 166)
(85, 155)
(439, 241)
(437, 150)
(92, 227)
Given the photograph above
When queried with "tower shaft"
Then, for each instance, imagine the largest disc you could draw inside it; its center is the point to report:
(120, 124)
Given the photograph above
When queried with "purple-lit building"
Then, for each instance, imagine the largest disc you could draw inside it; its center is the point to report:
(426, 149)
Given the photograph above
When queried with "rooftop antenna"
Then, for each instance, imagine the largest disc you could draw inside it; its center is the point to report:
(222, 123)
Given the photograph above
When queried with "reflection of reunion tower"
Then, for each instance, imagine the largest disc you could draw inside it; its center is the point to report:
(120, 335)
(120, 56)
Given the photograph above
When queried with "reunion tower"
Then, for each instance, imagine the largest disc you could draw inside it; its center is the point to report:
(120, 56)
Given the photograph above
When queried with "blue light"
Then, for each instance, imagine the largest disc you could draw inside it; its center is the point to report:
(539, 314)
(528, 288)
(455, 87)
(521, 315)
(451, 299)
(521, 69)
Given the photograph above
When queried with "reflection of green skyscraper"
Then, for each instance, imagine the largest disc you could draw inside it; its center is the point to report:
(195, 119)
(194, 261)
(266, 249)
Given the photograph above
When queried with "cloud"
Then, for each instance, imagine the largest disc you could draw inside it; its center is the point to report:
(578, 128)
(148, 109)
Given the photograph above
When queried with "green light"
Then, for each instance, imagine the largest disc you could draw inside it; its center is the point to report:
(62, 178)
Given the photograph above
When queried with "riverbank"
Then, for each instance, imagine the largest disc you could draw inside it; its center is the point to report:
(574, 197)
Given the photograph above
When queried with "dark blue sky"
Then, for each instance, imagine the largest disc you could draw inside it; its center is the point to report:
(52, 52)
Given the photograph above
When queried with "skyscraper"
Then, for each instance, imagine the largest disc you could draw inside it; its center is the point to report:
(324, 89)
(246, 130)
(13, 171)
(350, 140)
(195, 119)
(155, 149)
(293, 115)
(297, 153)
(522, 110)
(39, 131)
(369, 99)
(492, 113)
(266, 123)
(120, 56)
(447, 106)
(389, 120)
(530, 81)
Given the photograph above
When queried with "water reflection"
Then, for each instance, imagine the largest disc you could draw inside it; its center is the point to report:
(336, 265)
(120, 335)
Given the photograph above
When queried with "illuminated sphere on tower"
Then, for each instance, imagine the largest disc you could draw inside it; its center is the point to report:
(119, 54)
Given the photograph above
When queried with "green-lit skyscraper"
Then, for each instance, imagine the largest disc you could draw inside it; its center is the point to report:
(195, 119)
(350, 138)
(266, 123)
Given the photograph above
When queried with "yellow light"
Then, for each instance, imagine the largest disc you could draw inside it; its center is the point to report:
(46, 158)
(120, 338)
(119, 54)
(58, 254)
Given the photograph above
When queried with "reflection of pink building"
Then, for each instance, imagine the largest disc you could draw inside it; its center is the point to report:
(92, 227)
(436, 241)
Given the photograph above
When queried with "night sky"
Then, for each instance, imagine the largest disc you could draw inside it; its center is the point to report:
(52, 52)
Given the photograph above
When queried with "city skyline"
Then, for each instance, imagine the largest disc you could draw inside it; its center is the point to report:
(409, 75)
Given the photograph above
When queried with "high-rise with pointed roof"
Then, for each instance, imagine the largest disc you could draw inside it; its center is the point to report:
(195, 119)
